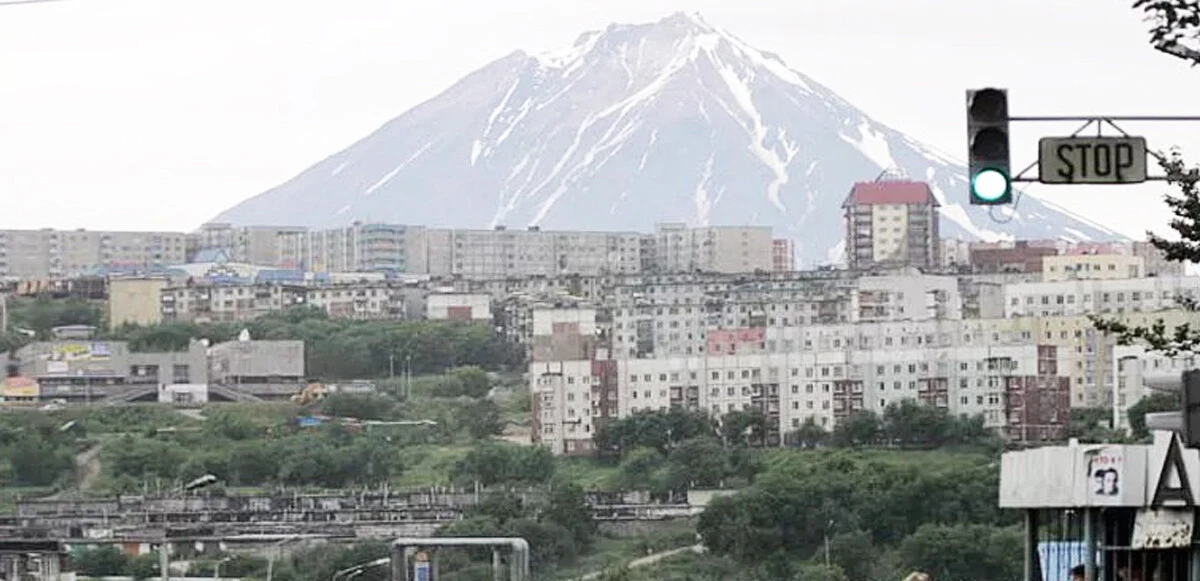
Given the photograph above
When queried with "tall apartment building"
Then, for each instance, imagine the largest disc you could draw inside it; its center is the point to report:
(505, 253)
(372, 247)
(678, 248)
(258, 245)
(783, 255)
(49, 253)
(891, 223)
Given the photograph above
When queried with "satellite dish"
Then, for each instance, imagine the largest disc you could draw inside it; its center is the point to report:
(244, 335)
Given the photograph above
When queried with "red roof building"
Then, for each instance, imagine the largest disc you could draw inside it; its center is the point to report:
(891, 222)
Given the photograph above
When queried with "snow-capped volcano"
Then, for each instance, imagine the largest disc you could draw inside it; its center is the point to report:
(672, 121)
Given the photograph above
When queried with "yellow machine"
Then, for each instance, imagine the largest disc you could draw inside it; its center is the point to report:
(311, 393)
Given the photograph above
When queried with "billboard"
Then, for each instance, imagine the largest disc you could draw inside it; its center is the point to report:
(19, 387)
(80, 351)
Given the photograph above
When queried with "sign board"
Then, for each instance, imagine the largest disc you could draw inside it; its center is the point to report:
(1092, 160)
(1162, 529)
(422, 568)
(1105, 475)
(20, 388)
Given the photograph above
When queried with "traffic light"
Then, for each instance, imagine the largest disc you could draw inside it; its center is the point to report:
(987, 132)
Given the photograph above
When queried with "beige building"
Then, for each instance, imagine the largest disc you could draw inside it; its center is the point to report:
(1092, 267)
(258, 245)
(503, 253)
(724, 249)
(135, 301)
(892, 223)
(359, 247)
(51, 254)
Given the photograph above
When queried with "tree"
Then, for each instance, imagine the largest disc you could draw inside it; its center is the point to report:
(1176, 26)
(568, 507)
(101, 561)
(505, 464)
(1182, 338)
(976, 552)
(1155, 402)
(657, 429)
(861, 428)
(810, 434)
(483, 419)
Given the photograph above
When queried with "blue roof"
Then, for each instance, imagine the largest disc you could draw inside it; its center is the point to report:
(216, 255)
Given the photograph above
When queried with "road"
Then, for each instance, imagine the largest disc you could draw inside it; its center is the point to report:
(647, 560)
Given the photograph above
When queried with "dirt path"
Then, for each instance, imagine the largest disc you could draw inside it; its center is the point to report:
(647, 560)
(87, 470)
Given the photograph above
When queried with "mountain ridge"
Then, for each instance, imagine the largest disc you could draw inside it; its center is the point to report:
(633, 125)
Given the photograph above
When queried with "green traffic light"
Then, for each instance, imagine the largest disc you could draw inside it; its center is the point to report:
(990, 185)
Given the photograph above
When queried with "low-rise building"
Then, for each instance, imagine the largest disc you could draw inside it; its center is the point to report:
(466, 307)
(254, 362)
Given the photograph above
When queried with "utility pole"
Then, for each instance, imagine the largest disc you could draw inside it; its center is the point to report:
(391, 365)
(407, 377)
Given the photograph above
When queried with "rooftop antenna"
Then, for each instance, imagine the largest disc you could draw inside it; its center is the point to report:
(892, 174)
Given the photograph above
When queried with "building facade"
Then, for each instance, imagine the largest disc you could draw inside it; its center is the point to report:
(53, 254)
(892, 223)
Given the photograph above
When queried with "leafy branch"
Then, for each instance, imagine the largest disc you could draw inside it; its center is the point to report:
(1176, 27)
(1185, 206)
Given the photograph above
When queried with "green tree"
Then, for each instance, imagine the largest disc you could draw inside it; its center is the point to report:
(143, 566)
(101, 561)
(1155, 402)
(810, 434)
(862, 428)
(483, 419)
(699, 462)
(657, 429)
(38, 461)
(745, 428)
(568, 508)
(976, 552)
(362, 407)
(496, 463)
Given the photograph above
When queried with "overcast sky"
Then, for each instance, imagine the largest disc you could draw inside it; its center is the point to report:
(158, 114)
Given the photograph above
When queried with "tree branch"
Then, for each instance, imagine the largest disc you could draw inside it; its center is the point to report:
(1185, 206)
(1174, 22)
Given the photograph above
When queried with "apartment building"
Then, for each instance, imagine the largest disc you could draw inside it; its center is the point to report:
(722, 249)
(360, 247)
(1098, 296)
(783, 255)
(209, 303)
(56, 254)
(671, 315)
(1089, 266)
(258, 245)
(793, 373)
(891, 223)
(504, 253)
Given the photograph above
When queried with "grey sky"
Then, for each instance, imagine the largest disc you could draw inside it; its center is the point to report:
(160, 113)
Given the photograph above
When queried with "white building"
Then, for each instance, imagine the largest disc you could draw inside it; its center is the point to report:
(824, 372)
(458, 307)
(1097, 297)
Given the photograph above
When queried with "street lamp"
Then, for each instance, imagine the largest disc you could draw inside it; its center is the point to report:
(217, 567)
(351, 572)
(274, 553)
